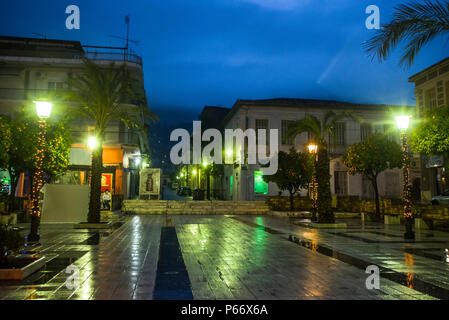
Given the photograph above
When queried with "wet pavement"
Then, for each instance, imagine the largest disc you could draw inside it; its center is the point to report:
(235, 257)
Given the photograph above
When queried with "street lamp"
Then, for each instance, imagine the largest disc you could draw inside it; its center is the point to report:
(92, 142)
(313, 149)
(402, 123)
(43, 110)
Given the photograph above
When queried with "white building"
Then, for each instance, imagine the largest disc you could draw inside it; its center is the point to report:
(30, 69)
(243, 182)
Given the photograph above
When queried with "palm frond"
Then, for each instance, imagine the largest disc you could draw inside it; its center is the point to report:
(415, 22)
(105, 94)
(308, 124)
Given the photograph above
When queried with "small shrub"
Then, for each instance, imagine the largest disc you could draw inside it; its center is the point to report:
(10, 242)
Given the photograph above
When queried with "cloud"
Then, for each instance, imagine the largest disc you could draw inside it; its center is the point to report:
(282, 5)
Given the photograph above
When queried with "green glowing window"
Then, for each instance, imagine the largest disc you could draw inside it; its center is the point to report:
(260, 186)
(231, 185)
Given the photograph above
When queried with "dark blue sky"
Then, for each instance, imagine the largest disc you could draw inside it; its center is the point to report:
(212, 52)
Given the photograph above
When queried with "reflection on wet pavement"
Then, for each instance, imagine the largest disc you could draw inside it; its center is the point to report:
(234, 257)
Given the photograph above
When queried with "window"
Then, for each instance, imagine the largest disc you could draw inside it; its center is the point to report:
(365, 131)
(52, 85)
(311, 137)
(431, 99)
(341, 183)
(260, 186)
(340, 133)
(262, 124)
(231, 185)
(285, 126)
(378, 128)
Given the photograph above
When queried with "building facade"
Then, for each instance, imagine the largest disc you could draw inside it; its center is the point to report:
(245, 182)
(30, 69)
(432, 91)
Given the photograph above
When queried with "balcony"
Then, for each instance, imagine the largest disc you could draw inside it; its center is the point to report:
(35, 94)
(113, 56)
(23, 94)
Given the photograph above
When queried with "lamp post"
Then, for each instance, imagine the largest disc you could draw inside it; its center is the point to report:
(43, 110)
(313, 149)
(402, 123)
(206, 171)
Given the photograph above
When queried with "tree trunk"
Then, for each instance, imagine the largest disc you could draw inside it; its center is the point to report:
(12, 196)
(325, 212)
(95, 185)
(35, 204)
(376, 198)
(208, 186)
(291, 201)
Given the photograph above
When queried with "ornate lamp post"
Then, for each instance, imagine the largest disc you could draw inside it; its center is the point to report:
(402, 124)
(313, 149)
(43, 110)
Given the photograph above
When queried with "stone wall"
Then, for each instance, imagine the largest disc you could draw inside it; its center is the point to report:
(343, 204)
(354, 204)
(283, 203)
(193, 207)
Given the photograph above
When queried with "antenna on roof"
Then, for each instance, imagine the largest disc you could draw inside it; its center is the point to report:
(127, 36)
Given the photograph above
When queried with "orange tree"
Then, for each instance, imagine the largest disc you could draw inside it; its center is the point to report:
(24, 142)
(294, 172)
(372, 156)
(5, 141)
(431, 135)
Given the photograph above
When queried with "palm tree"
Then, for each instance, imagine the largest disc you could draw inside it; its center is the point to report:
(320, 130)
(104, 95)
(415, 22)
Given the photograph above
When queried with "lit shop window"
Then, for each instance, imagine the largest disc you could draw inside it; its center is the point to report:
(260, 186)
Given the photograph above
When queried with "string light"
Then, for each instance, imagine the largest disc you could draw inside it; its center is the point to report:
(407, 195)
(38, 174)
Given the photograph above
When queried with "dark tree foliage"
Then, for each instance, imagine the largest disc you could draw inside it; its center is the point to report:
(294, 172)
(371, 157)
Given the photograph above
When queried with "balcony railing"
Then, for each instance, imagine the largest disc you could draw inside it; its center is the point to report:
(113, 56)
(33, 94)
(23, 94)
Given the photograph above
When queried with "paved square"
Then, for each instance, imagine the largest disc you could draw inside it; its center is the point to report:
(237, 257)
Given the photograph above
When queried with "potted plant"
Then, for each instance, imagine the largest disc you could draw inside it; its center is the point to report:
(418, 217)
(14, 266)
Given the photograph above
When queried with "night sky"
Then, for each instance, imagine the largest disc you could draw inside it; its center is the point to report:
(212, 52)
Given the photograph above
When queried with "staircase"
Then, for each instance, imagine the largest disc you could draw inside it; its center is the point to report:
(193, 207)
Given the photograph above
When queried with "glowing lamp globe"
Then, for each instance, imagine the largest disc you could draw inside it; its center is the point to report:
(92, 142)
(402, 122)
(313, 148)
(43, 108)
(137, 161)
